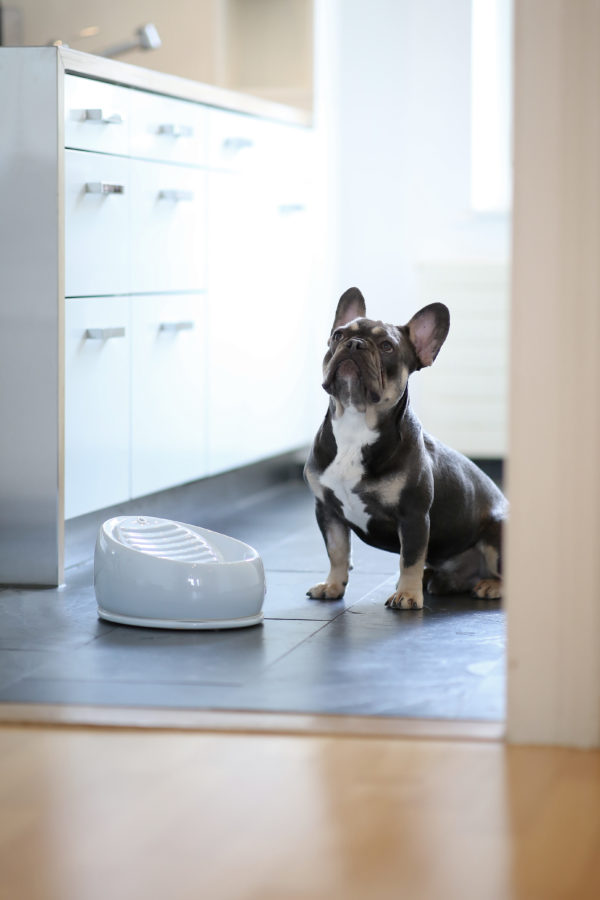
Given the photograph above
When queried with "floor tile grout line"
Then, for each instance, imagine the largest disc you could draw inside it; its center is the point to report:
(296, 619)
(318, 630)
(292, 649)
(364, 597)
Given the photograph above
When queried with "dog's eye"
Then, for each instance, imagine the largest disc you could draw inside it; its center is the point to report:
(386, 346)
(336, 336)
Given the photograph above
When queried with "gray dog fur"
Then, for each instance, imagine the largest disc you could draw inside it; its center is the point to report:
(373, 469)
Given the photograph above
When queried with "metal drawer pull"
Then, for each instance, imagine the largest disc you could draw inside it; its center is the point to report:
(286, 209)
(97, 115)
(103, 334)
(176, 131)
(236, 144)
(101, 187)
(176, 195)
(176, 326)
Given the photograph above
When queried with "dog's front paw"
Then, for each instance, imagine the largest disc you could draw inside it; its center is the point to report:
(405, 600)
(488, 589)
(327, 590)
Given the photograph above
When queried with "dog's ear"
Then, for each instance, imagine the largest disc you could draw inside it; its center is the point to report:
(427, 330)
(351, 306)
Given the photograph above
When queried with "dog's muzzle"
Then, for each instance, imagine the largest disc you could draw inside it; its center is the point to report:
(354, 360)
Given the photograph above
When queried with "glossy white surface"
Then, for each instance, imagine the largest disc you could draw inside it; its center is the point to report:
(163, 574)
(168, 391)
(97, 405)
(31, 309)
(262, 351)
(97, 225)
(96, 115)
(166, 129)
(168, 227)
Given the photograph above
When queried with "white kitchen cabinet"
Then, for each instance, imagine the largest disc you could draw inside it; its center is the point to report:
(261, 343)
(155, 252)
(96, 115)
(135, 411)
(168, 228)
(97, 403)
(292, 353)
(238, 143)
(170, 130)
(168, 399)
(97, 224)
(240, 328)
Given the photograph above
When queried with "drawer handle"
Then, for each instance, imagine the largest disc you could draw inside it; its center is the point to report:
(233, 145)
(97, 115)
(176, 131)
(101, 187)
(104, 334)
(176, 195)
(288, 209)
(175, 326)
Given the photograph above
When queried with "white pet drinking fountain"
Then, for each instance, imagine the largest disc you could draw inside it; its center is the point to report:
(164, 574)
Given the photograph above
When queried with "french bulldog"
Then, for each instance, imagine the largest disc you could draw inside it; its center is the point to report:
(376, 472)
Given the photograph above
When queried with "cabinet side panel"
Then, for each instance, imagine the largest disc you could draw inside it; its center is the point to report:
(31, 301)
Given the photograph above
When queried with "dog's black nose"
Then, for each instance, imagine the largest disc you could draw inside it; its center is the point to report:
(355, 344)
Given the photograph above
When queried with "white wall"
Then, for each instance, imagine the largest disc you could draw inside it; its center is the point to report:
(188, 29)
(404, 158)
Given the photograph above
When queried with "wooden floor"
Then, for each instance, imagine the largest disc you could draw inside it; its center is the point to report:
(90, 813)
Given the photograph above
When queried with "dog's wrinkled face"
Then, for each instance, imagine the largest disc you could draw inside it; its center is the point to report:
(368, 362)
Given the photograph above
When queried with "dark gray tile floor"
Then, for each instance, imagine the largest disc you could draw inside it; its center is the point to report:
(351, 656)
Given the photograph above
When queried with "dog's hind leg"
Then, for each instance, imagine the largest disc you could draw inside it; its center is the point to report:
(475, 571)
(489, 586)
(457, 575)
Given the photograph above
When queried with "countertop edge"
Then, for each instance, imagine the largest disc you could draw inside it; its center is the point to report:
(77, 62)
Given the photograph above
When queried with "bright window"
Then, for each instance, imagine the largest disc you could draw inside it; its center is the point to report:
(491, 105)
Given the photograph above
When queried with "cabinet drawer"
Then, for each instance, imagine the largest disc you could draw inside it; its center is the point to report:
(168, 443)
(97, 224)
(97, 404)
(166, 129)
(168, 227)
(237, 142)
(96, 115)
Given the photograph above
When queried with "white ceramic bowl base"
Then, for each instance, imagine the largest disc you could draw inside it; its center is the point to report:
(164, 574)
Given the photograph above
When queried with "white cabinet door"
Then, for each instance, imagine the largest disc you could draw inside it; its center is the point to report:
(96, 115)
(97, 404)
(97, 224)
(287, 303)
(241, 334)
(163, 128)
(261, 345)
(237, 142)
(168, 407)
(168, 228)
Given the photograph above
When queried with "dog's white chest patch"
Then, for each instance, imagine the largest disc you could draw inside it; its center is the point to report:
(343, 475)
